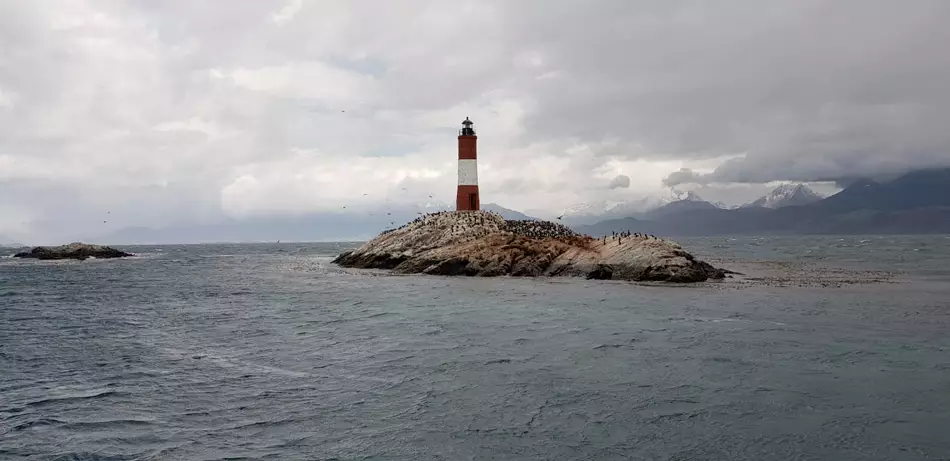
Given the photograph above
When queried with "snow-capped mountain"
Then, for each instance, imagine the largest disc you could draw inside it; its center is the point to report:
(690, 201)
(788, 195)
(591, 212)
(690, 196)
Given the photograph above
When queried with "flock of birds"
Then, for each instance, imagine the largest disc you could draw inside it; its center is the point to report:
(389, 213)
(619, 236)
(526, 228)
(539, 229)
(426, 218)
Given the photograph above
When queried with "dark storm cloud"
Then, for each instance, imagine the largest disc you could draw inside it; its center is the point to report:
(619, 182)
(683, 176)
(803, 89)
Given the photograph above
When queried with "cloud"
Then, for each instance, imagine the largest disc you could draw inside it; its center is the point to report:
(683, 176)
(279, 106)
(309, 81)
(6, 100)
(621, 181)
(287, 12)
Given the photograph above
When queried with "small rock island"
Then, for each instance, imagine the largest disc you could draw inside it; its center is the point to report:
(480, 243)
(75, 250)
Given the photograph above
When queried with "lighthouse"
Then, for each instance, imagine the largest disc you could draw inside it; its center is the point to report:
(467, 197)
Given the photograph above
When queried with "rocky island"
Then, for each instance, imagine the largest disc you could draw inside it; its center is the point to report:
(479, 243)
(74, 250)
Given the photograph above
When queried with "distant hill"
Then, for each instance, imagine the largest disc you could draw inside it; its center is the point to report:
(349, 226)
(918, 189)
(787, 195)
(915, 203)
(592, 212)
(507, 213)
(6, 242)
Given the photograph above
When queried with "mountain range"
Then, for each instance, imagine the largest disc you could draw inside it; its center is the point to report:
(589, 213)
(652, 208)
(915, 203)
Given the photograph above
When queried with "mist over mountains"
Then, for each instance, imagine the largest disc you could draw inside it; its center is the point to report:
(915, 203)
(787, 195)
(653, 208)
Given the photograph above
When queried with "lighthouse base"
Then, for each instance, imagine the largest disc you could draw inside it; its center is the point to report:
(467, 199)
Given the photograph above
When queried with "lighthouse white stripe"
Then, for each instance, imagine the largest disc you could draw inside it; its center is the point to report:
(468, 173)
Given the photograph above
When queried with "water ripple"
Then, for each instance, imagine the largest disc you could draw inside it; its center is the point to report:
(242, 352)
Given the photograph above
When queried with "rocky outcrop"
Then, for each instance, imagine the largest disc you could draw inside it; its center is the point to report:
(75, 250)
(484, 244)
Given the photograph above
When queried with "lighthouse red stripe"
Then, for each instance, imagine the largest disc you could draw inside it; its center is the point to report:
(467, 147)
(466, 197)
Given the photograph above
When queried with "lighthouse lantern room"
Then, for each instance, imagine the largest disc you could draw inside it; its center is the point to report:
(467, 196)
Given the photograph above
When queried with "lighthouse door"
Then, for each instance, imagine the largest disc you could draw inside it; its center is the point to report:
(472, 205)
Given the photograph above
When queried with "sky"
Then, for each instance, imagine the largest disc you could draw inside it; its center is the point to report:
(143, 113)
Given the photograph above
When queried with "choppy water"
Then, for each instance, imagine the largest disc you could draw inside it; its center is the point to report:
(267, 352)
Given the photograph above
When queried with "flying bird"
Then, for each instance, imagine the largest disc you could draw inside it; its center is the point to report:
(559, 217)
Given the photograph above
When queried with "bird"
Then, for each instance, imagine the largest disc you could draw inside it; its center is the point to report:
(559, 217)
(344, 206)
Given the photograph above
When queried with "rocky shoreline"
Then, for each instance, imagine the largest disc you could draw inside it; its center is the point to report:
(478, 243)
(74, 250)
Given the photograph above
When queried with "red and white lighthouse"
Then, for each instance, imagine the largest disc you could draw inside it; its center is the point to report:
(467, 197)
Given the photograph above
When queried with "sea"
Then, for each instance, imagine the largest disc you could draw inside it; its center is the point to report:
(838, 350)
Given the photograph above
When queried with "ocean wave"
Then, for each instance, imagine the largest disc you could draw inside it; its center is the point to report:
(36, 423)
(73, 398)
(87, 456)
(106, 424)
